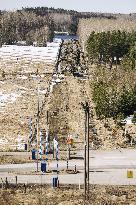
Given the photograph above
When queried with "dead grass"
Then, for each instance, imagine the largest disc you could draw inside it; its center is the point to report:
(9, 159)
(86, 26)
(68, 195)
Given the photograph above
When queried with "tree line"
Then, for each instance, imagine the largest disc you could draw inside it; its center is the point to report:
(113, 101)
(111, 47)
(66, 20)
(25, 26)
(37, 24)
(114, 89)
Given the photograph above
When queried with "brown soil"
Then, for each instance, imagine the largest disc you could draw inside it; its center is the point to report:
(15, 116)
(9, 159)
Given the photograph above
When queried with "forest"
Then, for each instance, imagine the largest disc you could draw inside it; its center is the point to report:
(25, 26)
(114, 82)
(38, 24)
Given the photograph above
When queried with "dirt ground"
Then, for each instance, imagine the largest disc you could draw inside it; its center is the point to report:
(66, 115)
(10, 159)
(21, 103)
(20, 157)
(68, 195)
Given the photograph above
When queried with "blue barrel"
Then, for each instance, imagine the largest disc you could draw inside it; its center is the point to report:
(43, 166)
(33, 154)
(55, 181)
(25, 147)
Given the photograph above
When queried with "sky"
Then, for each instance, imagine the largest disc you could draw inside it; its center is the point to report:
(114, 6)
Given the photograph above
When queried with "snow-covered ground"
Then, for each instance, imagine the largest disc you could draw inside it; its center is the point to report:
(7, 98)
(26, 68)
(30, 53)
(27, 53)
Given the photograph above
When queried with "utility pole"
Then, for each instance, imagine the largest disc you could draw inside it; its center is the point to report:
(48, 131)
(85, 146)
(87, 128)
(38, 127)
(47, 117)
(86, 151)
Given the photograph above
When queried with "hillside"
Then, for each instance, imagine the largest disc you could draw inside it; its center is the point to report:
(66, 114)
(86, 26)
(62, 95)
(24, 71)
(68, 79)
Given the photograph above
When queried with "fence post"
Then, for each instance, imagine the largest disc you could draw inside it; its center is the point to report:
(2, 182)
(75, 169)
(16, 180)
(7, 184)
(24, 188)
(67, 164)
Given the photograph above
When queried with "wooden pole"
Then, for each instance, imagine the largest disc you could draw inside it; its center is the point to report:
(85, 174)
(86, 152)
(87, 124)
(40, 144)
(67, 164)
(47, 117)
(53, 150)
(68, 152)
(7, 184)
(38, 129)
(16, 180)
(31, 134)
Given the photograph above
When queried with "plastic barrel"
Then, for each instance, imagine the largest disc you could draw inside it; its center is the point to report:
(25, 147)
(43, 166)
(33, 154)
(55, 181)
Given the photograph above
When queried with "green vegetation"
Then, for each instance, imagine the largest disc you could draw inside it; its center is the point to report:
(134, 118)
(111, 46)
(114, 93)
(126, 23)
(114, 90)
(129, 60)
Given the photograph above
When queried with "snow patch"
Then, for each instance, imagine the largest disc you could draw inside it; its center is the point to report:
(7, 98)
